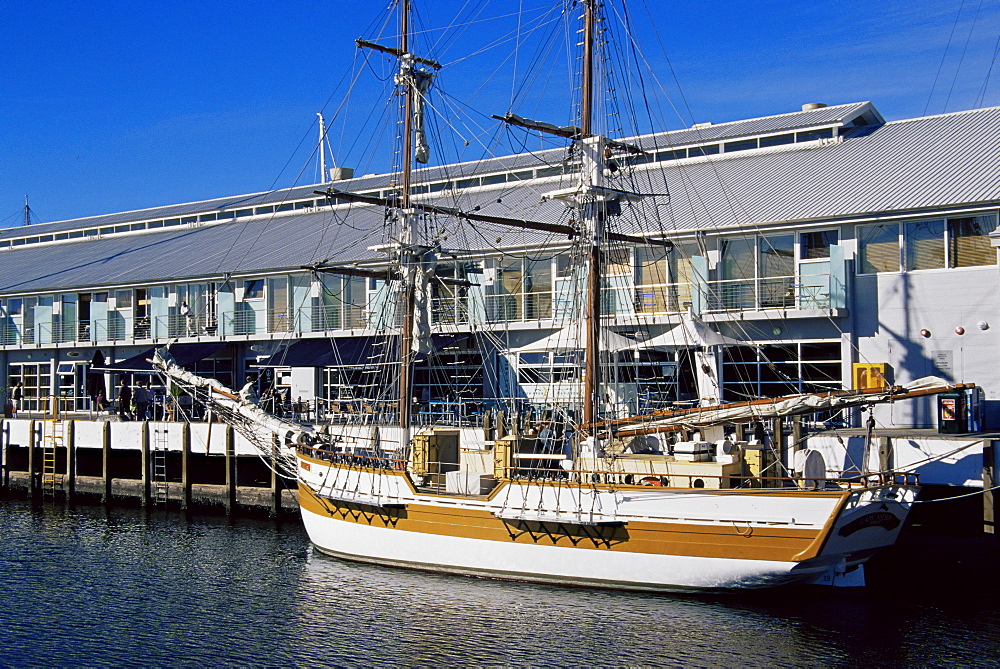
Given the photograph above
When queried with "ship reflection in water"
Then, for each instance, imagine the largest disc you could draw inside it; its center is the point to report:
(86, 586)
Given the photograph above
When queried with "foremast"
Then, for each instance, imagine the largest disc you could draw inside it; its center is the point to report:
(413, 82)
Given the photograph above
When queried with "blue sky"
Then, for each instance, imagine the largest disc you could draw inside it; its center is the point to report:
(113, 106)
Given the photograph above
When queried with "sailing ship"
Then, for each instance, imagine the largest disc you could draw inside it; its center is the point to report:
(573, 487)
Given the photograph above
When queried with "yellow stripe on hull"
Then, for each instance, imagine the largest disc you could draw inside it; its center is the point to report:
(730, 541)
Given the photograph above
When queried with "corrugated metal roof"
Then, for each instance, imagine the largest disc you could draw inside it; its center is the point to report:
(925, 163)
(824, 116)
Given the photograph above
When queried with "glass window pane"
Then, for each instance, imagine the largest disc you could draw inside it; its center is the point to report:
(969, 241)
(777, 256)
(924, 245)
(253, 289)
(879, 248)
(737, 259)
(816, 245)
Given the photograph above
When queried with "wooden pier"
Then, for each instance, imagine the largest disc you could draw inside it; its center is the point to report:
(173, 465)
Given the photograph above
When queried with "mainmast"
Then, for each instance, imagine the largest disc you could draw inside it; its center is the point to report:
(593, 162)
(407, 221)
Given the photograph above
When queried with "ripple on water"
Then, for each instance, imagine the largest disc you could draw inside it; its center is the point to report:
(124, 588)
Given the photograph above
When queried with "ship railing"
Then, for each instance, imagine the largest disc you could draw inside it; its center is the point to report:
(355, 454)
(540, 469)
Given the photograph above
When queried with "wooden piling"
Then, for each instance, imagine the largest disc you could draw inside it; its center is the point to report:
(275, 479)
(4, 472)
(33, 491)
(147, 468)
(779, 444)
(70, 461)
(798, 440)
(230, 471)
(106, 468)
(739, 431)
(885, 458)
(989, 480)
(185, 466)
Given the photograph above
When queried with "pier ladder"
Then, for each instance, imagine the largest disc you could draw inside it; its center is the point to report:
(53, 438)
(161, 442)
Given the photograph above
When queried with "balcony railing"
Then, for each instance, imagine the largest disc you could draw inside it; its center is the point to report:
(806, 292)
(785, 292)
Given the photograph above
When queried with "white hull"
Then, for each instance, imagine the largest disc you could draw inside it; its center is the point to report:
(549, 564)
(627, 538)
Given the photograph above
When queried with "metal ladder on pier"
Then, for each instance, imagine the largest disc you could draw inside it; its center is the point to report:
(161, 441)
(53, 438)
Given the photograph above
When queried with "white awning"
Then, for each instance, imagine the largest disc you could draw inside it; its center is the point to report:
(691, 332)
(574, 339)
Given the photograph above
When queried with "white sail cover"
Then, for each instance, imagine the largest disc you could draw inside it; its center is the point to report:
(784, 406)
(288, 431)
(574, 339)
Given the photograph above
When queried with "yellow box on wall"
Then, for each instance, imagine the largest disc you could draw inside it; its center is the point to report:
(866, 375)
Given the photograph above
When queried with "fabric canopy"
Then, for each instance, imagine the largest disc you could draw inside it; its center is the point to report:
(692, 331)
(347, 351)
(572, 339)
(185, 355)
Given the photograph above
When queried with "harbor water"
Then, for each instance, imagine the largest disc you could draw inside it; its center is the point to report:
(123, 587)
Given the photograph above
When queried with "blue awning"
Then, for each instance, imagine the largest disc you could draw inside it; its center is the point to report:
(348, 351)
(186, 355)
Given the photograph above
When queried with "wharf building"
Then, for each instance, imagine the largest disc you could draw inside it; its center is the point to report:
(824, 244)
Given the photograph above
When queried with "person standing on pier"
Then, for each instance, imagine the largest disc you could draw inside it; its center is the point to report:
(141, 399)
(16, 395)
(124, 400)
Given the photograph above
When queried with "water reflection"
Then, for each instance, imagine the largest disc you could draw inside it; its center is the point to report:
(126, 588)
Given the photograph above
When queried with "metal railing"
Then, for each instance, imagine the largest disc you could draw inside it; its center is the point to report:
(819, 291)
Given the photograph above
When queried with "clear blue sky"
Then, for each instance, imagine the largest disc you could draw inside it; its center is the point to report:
(112, 106)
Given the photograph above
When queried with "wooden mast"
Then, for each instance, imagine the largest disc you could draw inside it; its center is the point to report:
(407, 236)
(407, 250)
(591, 216)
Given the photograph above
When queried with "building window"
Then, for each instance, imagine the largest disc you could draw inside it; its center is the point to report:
(969, 241)
(816, 245)
(924, 245)
(934, 244)
(780, 369)
(253, 289)
(878, 248)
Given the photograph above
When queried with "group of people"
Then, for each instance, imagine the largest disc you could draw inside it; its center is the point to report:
(134, 403)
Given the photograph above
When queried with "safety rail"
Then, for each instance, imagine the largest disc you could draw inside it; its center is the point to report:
(431, 474)
(700, 481)
(812, 291)
(359, 459)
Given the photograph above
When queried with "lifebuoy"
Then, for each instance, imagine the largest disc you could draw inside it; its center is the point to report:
(651, 481)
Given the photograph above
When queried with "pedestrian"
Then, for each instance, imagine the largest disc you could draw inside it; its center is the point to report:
(124, 400)
(188, 319)
(16, 396)
(141, 399)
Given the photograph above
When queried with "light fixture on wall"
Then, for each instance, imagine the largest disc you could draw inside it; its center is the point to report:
(925, 333)
(960, 330)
